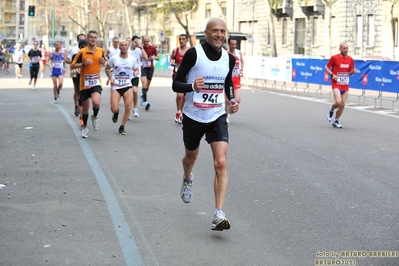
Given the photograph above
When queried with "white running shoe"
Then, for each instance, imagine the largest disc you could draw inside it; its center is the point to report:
(178, 117)
(336, 124)
(329, 114)
(55, 100)
(142, 100)
(220, 222)
(186, 192)
(135, 112)
(34, 88)
(85, 130)
(94, 120)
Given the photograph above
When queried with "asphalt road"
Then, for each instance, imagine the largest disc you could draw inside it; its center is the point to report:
(300, 191)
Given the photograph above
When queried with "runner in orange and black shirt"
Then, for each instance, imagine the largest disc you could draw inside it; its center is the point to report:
(89, 60)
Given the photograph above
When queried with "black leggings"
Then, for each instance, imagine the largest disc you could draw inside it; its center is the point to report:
(34, 70)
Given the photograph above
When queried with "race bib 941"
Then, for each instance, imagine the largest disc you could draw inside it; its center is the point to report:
(211, 96)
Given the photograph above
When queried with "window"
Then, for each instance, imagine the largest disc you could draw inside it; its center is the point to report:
(314, 30)
(370, 30)
(21, 19)
(359, 31)
(284, 32)
(62, 27)
(208, 10)
(395, 31)
(223, 7)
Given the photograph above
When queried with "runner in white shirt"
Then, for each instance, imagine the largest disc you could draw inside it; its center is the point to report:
(18, 58)
(112, 50)
(125, 68)
(136, 50)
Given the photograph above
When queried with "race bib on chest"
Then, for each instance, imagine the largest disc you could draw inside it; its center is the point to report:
(35, 59)
(57, 64)
(122, 80)
(211, 96)
(236, 72)
(92, 80)
(343, 78)
(147, 63)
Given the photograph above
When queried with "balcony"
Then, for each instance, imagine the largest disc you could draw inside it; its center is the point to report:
(63, 33)
(312, 7)
(284, 10)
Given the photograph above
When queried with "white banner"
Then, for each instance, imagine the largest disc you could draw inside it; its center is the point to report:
(271, 68)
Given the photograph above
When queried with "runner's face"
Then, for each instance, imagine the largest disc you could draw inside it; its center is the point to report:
(182, 41)
(57, 46)
(81, 38)
(136, 43)
(344, 49)
(92, 39)
(123, 46)
(146, 42)
(115, 43)
(232, 45)
(215, 33)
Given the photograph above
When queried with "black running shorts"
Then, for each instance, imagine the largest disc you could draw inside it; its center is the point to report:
(193, 131)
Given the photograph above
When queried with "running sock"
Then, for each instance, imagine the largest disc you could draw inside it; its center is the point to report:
(189, 179)
(144, 92)
(216, 210)
(95, 111)
(85, 117)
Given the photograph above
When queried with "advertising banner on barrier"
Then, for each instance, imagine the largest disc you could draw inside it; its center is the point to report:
(370, 75)
(270, 68)
(310, 71)
(377, 75)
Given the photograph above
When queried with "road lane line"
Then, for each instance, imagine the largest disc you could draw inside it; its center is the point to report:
(125, 237)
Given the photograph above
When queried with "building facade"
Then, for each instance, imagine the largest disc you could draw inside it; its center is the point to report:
(300, 27)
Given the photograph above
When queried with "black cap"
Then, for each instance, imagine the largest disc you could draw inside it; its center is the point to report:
(82, 43)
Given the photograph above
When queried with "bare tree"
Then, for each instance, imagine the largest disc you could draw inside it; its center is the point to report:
(82, 16)
(127, 4)
(102, 10)
(45, 8)
(272, 5)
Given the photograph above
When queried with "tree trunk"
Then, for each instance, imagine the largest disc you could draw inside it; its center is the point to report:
(269, 14)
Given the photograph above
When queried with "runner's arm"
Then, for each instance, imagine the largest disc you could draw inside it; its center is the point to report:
(77, 61)
(179, 83)
(228, 84)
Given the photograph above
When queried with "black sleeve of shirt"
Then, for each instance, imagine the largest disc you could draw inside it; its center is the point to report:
(228, 85)
(179, 83)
